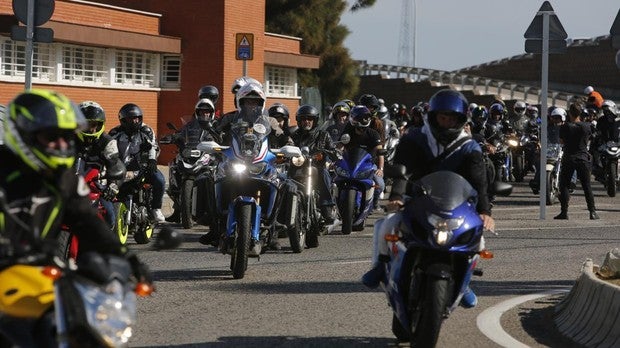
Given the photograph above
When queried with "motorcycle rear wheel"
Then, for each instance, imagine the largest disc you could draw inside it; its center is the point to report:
(186, 204)
(239, 257)
(425, 331)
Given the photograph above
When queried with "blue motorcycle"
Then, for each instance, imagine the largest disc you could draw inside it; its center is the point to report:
(246, 190)
(433, 255)
(355, 188)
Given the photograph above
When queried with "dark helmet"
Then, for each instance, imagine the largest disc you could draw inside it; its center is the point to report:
(279, 110)
(449, 102)
(167, 238)
(479, 114)
(204, 111)
(128, 112)
(209, 92)
(42, 114)
(307, 111)
(369, 101)
(95, 117)
(360, 116)
(349, 102)
(497, 109)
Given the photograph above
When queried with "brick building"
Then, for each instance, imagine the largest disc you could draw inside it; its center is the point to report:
(155, 53)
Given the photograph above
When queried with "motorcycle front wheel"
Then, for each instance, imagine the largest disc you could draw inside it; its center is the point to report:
(425, 330)
(348, 208)
(552, 189)
(239, 257)
(186, 204)
(296, 232)
(122, 229)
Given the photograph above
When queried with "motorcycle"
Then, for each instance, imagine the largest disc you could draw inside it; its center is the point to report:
(46, 302)
(133, 202)
(502, 159)
(391, 142)
(521, 148)
(246, 189)
(191, 174)
(355, 187)
(303, 173)
(609, 153)
(434, 253)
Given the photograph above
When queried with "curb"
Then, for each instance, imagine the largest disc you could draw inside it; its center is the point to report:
(590, 313)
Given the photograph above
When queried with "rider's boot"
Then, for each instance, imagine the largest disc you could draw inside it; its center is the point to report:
(469, 299)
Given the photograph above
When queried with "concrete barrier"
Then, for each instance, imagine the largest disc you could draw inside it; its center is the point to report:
(590, 313)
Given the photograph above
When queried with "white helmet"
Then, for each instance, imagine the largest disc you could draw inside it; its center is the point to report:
(242, 81)
(610, 106)
(519, 108)
(250, 91)
(559, 112)
(588, 90)
(208, 110)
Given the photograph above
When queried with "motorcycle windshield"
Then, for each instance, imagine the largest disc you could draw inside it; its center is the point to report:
(447, 190)
(248, 137)
(355, 157)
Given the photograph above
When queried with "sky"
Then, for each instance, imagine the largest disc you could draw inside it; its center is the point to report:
(454, 34)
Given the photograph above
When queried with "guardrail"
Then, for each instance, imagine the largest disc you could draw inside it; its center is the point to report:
(460, 81)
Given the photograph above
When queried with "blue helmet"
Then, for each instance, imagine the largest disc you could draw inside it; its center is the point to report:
(447, 102)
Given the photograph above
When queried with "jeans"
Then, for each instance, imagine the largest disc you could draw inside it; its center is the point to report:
(110, 216)
(157, 180)
(380, 187)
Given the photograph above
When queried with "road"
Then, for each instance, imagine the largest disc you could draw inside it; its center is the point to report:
(315, 299)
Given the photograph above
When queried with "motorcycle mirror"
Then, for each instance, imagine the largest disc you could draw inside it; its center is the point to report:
(171, 126)
(501, 188)
(345, 139)
(167, 239)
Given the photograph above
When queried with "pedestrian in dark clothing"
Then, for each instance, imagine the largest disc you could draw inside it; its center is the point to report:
(574, 136)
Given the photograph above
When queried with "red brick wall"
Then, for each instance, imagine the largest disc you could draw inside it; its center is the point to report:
(280, 44)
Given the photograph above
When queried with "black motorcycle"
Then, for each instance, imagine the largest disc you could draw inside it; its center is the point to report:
(609, 154)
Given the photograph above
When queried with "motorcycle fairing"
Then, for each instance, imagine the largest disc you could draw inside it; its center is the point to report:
(231, 224)
(25, 292)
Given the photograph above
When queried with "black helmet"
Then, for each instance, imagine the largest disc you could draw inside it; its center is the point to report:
(448, 102)
(369, 101)
(127, 112)
(279, 109)
(479, 115)
(360, 116)
(209, 92)
(95, 117)
(307, 111)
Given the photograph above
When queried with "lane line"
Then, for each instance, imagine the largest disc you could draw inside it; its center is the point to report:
(489, 321)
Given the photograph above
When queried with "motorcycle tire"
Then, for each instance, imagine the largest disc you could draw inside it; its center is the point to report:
(425, 331)
(64, 245)
(121, 228)
(518, 168)
(186, 204)
(348, 208)
(239, 257)
(314, 225)
(552, 189)
(296, 232)
(612, 174)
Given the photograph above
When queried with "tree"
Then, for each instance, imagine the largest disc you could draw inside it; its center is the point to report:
(317, 23)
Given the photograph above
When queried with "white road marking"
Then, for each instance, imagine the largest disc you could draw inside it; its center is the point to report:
(489, 320)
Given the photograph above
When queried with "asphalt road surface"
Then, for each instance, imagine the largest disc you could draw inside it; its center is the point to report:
(316, 299)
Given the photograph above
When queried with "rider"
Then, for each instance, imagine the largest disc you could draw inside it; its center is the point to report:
(419, 152)
(98, 149)
(212, 93)
(309, 135)
(362, 136)
(340, 114)
(199, 129)
(519, 120)
(139, 149)
(372, 103)
(496, 126)
(280, 113)
(39, 187)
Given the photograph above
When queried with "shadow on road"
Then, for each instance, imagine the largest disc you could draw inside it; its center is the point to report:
(288, 341)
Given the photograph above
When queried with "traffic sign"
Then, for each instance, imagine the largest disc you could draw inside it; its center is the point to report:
(43, 10)
(534, 33)
(18, 33)
(615, 32)
(245, 46)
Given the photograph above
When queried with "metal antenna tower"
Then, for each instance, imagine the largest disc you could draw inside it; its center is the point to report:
(406, 37)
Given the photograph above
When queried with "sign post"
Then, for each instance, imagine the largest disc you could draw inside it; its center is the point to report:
(32, 13)
(544, 35)
(245, 49)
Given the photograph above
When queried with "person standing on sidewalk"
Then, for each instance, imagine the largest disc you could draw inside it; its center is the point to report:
(574, 136)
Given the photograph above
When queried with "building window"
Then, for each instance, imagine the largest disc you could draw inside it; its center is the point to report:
(13, 60)
(171, 71)
(83, 64)
(135, 69)
(280, 82)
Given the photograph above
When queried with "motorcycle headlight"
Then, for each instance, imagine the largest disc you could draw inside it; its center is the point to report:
(341, 172)
(239, 168)
(444, 227)
(111, 311)
(257, 168)
(513, 142)
(298, 161)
